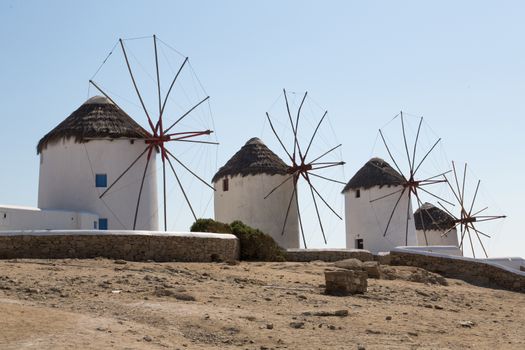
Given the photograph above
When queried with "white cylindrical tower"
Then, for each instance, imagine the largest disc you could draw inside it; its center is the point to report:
(370, 198)
(435, 227)
(243, 182)
(85, 154)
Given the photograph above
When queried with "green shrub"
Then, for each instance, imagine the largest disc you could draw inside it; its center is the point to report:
(255, 245)
(210, 225)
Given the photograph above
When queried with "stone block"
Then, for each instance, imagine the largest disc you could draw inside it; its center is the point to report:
(345, 282)
(372, 269)
(349, 264)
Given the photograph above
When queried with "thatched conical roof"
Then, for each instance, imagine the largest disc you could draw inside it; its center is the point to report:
(430, 217)
(253, 158)
(376, 172)
(97, 118)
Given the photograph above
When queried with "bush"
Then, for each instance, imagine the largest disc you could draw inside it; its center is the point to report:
(255, 245)
(210, 225)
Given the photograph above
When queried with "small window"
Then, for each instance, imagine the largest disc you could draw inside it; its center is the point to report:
(94, 225)
(102, 224)
(225, 184)
(359, 243)
(357, 193)
(101, 180)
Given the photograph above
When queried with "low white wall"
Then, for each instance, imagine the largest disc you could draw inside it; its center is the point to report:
(440, 249)
(27, 218)
(512, 262)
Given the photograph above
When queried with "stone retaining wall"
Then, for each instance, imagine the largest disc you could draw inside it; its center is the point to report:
(136, 246)
(305, 255)
(467, 269)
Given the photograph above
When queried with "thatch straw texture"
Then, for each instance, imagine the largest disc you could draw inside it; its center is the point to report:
(253, 158)
(97, 118)
(376, 172)
(429, 217)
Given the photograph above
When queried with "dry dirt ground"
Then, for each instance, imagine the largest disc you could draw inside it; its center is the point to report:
(106, 304)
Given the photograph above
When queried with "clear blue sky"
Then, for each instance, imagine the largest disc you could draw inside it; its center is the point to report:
(459, 64)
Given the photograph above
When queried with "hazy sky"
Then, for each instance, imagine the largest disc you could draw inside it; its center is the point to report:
(461, 65)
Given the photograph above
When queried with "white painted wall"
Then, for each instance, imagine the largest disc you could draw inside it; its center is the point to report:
(452, 250)
(245, 201)
(434, 238)
(26, 218)
(368, 221)
(67, 181)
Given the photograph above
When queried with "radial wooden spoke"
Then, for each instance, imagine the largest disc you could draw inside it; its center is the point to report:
(433, 195)
(463, 232)
(297, 126)
(474, 198)
(140, 190)
(408, 216)
(125, 171)
(317, 212)
(415, 143)
(453, 191)
(299, 215)
(288, 209)
(105, 94)
(482, 219)
(185, 114)
(196, 141)
(448, 211)
(460, 195)
(327, 178)
(159, 122)
(325, 163)
(386, 195)
(171, 86)
(445, 234)
(463, 185)
(325, 202)
(327, 152)
(393, 211)
(276, 187)
(328, 166)
(480, 242)
(480, 211)
(390, 154)
(182, 188)
(420, 204)
(406, 144)
(136, 87)
(471, 244)
(478, 231)
(426, 155)
(291, 122)
(163, 156)
(189, 170)
(430, 182)
(278, 138)
(433, 177)
(313, 135)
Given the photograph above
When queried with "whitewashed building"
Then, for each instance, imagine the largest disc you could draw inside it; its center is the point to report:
(79, 159)
(370, 197)
(241, 186)
(431, 225)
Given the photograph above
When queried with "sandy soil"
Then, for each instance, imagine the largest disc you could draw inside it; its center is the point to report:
(106, 304)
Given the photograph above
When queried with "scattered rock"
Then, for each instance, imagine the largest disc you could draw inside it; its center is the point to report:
(120, 262)
(388, 318)
(269, 326)
(147, 338)
(360, 347)
(184, 297)
(414, 334)
(339, 313)
(345, 282)
(438, 307)
(349, 264)
(372, 269)
(297, 325)
(467, 324)
(372, 331)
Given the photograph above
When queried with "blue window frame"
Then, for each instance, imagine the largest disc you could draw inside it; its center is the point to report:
(102, 224)
(101, 180)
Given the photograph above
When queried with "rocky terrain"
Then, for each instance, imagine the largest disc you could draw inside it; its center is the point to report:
(105, 304)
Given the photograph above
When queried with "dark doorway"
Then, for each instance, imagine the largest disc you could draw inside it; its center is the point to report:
(359, 243)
